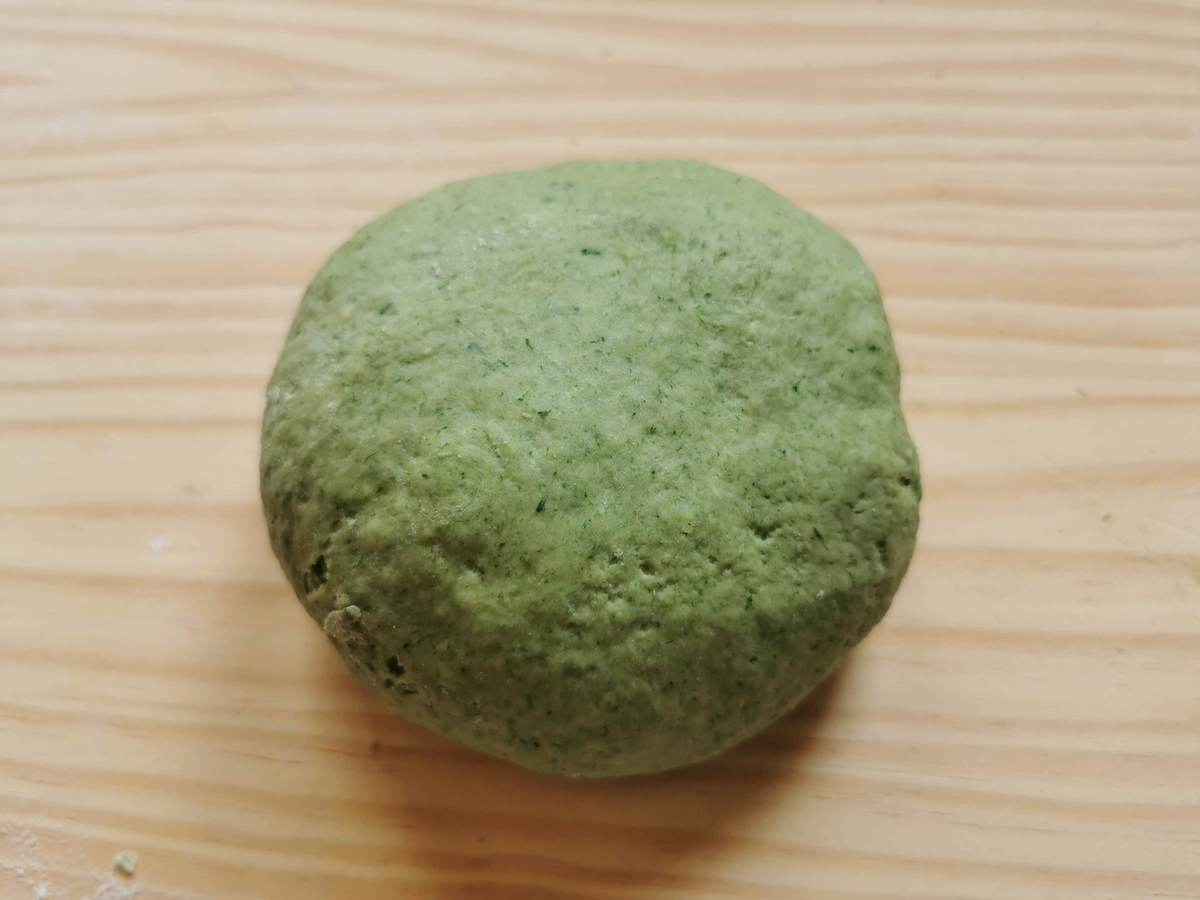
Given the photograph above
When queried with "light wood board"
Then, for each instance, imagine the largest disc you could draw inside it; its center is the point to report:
(1023, 177)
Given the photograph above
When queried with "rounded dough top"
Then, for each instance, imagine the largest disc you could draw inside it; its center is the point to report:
(599, 467)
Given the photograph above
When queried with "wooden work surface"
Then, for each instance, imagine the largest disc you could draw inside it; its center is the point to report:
(1025, 180)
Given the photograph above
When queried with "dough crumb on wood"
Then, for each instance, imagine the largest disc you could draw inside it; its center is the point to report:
(125, 863)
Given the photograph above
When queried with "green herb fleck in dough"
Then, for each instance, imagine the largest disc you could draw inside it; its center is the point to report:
(722, 504)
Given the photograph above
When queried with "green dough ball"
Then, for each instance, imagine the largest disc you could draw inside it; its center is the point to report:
(599, 468)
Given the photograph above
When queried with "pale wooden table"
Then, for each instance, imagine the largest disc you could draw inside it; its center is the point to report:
(1025, 180)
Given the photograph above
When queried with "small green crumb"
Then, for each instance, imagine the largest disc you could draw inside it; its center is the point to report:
(126, 862)
(1196, 575)
(373, 746)
(1107, 517)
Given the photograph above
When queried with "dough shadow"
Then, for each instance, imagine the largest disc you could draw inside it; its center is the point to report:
(478, 827)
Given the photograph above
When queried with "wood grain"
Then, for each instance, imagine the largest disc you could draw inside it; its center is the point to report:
(1025, 180)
